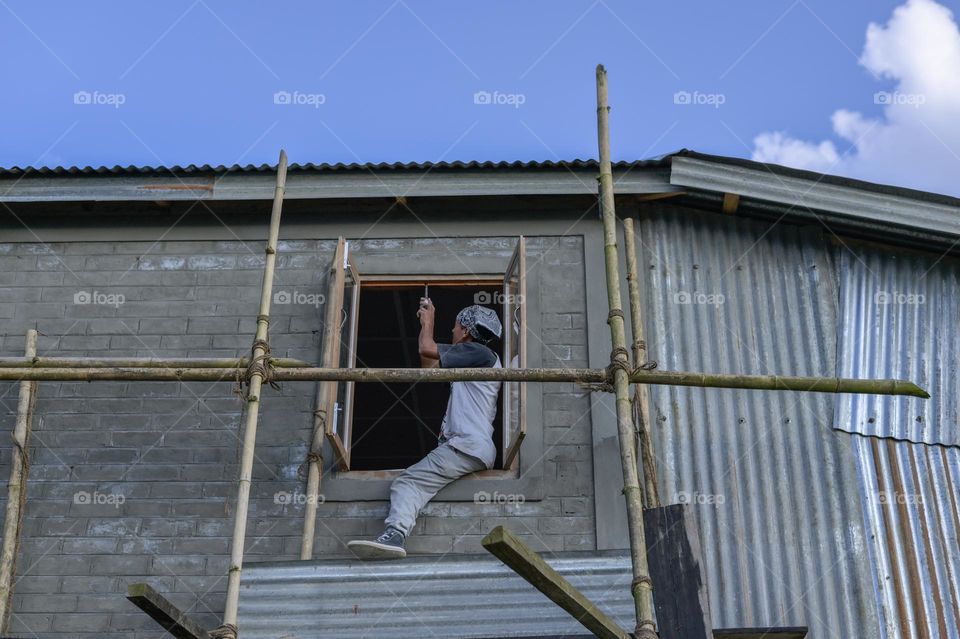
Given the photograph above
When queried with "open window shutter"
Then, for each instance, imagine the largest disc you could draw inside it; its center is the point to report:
(515, 352)
(340, 349)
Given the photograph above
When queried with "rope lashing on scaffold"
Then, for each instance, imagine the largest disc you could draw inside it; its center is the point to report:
(619, 360)
(257, 365)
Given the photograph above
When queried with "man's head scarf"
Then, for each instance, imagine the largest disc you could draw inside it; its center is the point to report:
(476, 317)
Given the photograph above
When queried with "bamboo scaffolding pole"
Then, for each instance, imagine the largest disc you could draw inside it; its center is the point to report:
(641, 588)
(314, 472)
(141, 362)
(405, 375)
(17, 488)
(255, 382)
(641, 395)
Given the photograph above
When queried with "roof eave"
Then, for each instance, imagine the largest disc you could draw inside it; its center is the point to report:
(809, 193)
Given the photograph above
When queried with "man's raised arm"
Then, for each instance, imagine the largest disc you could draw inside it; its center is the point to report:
(429, 355)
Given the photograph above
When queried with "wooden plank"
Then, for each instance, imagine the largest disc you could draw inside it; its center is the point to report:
(673, 553)
(163, 612)
(731, 201)
(506, 547)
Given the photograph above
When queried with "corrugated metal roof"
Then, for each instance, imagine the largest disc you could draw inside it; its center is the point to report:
(899, 317)
(910, 506)
(545, 165)
(770, 481)
(450, 596)
(866, 207)
(326, 181)
(458, 165)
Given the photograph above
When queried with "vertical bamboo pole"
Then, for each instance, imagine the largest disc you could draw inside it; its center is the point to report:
(641, 395)
(17, 487)
(641, 589)
(314, 470)
(255, 382)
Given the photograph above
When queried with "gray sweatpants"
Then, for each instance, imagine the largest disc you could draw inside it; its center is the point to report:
(419, 483)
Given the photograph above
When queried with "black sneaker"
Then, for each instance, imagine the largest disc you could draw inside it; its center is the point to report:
(389, 545)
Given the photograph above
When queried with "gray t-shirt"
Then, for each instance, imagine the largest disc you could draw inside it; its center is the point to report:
(468, 424)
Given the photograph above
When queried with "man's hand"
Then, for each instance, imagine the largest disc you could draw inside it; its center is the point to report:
(429, 354)
(426, 312)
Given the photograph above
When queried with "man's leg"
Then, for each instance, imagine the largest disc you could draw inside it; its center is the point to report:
(418, 484)
(409, 493)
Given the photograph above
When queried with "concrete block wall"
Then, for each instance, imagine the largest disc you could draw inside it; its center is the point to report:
(134, 481)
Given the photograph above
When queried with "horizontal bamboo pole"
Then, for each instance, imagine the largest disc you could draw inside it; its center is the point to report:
(406, 375)
(141, 362)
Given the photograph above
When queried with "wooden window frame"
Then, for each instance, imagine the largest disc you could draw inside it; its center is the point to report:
(514, 307)
(335, 414)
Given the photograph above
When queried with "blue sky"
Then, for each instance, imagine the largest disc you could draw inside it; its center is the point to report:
(396, 80)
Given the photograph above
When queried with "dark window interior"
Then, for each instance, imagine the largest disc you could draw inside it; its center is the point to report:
(391, 433)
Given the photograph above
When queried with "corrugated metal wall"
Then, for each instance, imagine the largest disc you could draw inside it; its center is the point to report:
(900, 315)
(774, 486)
(899, 318)
(910, 504)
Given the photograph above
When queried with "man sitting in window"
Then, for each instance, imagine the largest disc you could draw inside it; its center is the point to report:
(466, 437)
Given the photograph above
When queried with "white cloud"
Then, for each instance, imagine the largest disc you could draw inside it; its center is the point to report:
(916, 142)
